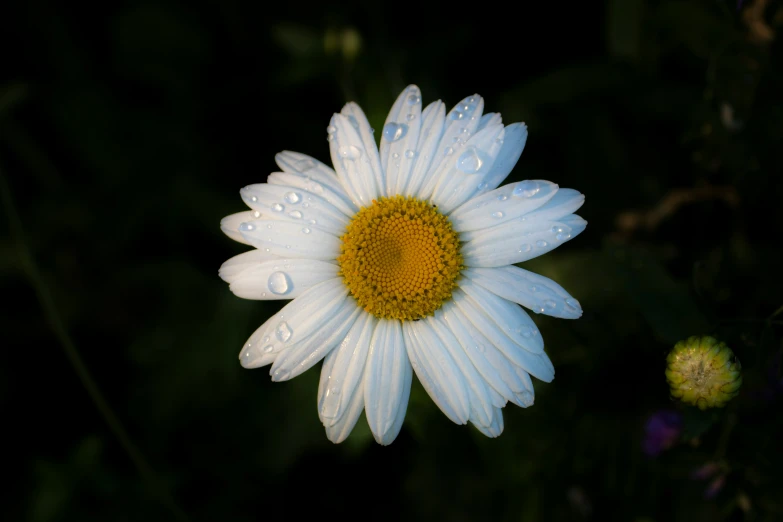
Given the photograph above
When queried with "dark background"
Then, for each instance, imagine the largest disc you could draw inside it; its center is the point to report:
(127, 129)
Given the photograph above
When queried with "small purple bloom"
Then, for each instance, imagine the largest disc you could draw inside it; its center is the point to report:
(661, 432)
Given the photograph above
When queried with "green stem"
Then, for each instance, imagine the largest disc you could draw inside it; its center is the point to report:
(58, 327)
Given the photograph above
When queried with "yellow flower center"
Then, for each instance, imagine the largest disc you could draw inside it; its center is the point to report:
(400, 258)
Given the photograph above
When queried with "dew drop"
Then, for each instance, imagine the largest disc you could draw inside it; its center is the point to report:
(253, 199)
(394, 131)
(481, 348)
(266, 339)
(246, 227)
(525, 248)
(305, 230)
(409, 154)
(410, 117)
(268, 348)
(456, 115)
(483, 186)
(295, 214)
(315, 187)
(350, 152)
(449, 151)
(526, 189)
(395, 155)
(283, 331)
(305, 165)
(331, 129)
(549, 303)
(525, 331)
(277, 207)
(312, 222)
(502, 197)
(498, 215)
(305, 205)
(413, 99)
(541, 243)
(279, 283)
(256, 214)
(293, 198)
(469, 161)
(288, 246)
(533, 288)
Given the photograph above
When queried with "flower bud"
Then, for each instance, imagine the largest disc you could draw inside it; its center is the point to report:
(703, 372)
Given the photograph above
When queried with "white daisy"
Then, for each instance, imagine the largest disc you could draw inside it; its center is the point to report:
(401, 261)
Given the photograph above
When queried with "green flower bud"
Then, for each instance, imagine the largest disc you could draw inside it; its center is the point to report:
(703, 372)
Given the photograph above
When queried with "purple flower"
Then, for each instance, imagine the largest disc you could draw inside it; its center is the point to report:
(661, 432)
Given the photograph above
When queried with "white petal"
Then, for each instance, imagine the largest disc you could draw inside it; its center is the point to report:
(340, 430)
(437, 371)
(533, 291)
(490, 118)
(518, 240)
(495, 428)
(501, 205)
(288, 239)
(230, 225)
(385, 375)
(231, 269)
(346, 370)
(359, 121)
(303, 165)
(565, 202)
(338, 200)
(461, 123)
(295, 322)
(284, 203)
(281, 278)
(490, 362)
(467, 172)
(394, 430)
(433, 121)
(512, 320)
(513, 145)
(300, 357)
(399, 139)
(352, 162)
(537, 364)
(480, 397)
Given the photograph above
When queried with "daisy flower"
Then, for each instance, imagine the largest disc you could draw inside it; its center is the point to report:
(400, 260)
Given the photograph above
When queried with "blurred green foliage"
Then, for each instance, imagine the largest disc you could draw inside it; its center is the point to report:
(126, 134)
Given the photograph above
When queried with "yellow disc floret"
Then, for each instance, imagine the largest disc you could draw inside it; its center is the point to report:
(400, 258)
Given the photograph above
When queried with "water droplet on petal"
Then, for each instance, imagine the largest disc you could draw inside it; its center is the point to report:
(253, 199)
(312, 222)
(549, 303)
(413, 99)
(277, 207)
(256, 214)
(394, 131)
(305, 165)
(526, 189)
(266, 339)
(525, 248)
(498, 215)
(295, 214)
(283, 331)
(449, 151)
(293, 197)
(541, 243)
(409, 154)
(502, 197)
(331, 129)
(395, 155)
(268, 348)
(456, 115)
(279, 284)
(246, 227)
(410, 117)
(315, 187)
(305, 230)
(350, 152)
(469, 161)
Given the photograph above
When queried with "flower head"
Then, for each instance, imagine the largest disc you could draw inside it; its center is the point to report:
(703, 372)
(400, 261)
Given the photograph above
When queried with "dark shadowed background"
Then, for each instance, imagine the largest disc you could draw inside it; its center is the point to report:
(127, 129)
